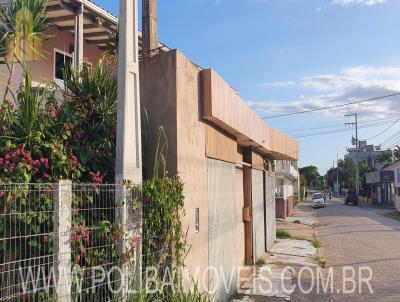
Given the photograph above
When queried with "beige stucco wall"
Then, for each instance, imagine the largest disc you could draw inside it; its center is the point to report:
(192, 162)
(170, 93)
(225, 108)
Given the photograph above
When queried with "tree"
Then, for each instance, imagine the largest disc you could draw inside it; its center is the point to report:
(22, 27)
(311, 176)
(396, 153)
(386, 157)
(348, 173)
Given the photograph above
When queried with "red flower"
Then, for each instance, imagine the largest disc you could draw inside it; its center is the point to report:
(2, 193)
(46, 239)
(77, 259)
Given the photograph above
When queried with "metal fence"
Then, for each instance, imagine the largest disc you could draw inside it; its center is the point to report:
(68, 242)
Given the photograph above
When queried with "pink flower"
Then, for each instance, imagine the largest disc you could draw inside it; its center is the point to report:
(74, 162)
(46, 176)
(2, 193)
(96, 177)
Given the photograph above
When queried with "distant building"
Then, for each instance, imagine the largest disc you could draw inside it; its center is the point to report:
(367, 153)
(287, 187)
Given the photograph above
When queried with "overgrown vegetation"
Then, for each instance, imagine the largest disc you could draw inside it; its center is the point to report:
(321, 261)
(394, 215)
(282, 235)
(316, 243)
(260, 262)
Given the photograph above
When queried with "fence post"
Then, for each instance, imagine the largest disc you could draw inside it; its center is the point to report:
(129, 216)
(62, 231)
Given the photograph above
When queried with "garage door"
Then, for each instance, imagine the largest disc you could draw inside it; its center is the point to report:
(222, 227)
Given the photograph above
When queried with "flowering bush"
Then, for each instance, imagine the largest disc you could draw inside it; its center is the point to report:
(44, 140)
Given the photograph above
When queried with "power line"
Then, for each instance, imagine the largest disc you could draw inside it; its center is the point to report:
(395, 144)
(342, 130)
(333, 125)
(380, 133)
(331, 107)
(395, 136)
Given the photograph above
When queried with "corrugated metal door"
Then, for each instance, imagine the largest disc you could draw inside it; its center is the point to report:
(258, 213)
(270, 210)
(222, 224)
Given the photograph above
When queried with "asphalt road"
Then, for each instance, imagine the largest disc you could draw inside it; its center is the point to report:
(356, 238)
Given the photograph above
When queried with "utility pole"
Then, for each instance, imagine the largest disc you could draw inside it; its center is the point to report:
(333, 169)
(355, 123)
(337, 174)
(149, 26)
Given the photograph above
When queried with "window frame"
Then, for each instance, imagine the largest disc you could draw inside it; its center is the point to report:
(65, 54)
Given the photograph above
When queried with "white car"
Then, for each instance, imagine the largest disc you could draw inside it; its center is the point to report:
(318, 200)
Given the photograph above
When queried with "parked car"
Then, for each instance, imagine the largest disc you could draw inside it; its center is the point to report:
(318, 200)
(351, 198)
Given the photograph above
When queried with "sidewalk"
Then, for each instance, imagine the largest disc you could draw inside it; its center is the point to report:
(298, 251)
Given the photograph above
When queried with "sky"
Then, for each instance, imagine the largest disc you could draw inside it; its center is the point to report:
(287, 56)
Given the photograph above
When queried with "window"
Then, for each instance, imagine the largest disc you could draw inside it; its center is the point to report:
(62, 62)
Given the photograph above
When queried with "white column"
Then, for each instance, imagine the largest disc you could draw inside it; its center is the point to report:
(78, 45)
(128, 154)
(129, 158)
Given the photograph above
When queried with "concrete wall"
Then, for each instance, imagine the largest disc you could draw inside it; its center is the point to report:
(270, 210)
(258, 213)
(222, 226)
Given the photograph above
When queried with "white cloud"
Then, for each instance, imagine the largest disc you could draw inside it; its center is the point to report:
(278, 84)
(351, 84)
(358, 2)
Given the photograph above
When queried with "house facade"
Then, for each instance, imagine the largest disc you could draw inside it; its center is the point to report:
(79, 32)
(287, 187)
(222, 150)
(225, 154)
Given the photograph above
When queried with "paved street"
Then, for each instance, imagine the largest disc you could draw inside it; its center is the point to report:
(355, 237)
